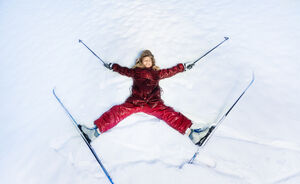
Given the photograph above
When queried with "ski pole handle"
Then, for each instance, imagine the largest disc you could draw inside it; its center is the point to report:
(80, 41)
(226, 38)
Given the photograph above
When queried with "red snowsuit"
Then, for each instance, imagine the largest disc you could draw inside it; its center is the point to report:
(145, 98)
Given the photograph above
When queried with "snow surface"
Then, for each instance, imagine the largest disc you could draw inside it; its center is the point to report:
(258, 142)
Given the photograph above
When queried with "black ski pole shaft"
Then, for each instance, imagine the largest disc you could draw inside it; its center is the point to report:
(80, 41)
(226, 38)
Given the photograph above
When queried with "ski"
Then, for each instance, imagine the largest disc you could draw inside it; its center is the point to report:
(213, 128)
(82, 136)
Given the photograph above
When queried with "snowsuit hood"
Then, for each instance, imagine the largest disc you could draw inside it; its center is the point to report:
(145, 53)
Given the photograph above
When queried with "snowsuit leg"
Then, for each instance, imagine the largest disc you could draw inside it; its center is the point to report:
(114, 115)
(175, 119)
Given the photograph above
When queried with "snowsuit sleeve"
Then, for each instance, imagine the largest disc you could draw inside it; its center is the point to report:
(165, 73)
(123, 70)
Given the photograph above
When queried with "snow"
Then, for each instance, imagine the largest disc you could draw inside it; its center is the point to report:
(257, 143)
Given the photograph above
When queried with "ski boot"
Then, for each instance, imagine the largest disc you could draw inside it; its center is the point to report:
(198, 134)
(89, 133)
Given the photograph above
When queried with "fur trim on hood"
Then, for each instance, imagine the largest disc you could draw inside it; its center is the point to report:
(145, 53)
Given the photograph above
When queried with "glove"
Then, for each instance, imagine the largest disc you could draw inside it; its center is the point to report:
(188, 65)
(108, 65)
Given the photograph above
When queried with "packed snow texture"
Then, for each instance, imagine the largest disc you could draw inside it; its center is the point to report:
(258, 142)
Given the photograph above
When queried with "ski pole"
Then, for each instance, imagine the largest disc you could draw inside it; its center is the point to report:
(226, 38)
(80, 41)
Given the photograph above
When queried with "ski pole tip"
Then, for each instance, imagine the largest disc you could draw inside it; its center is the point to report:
(53, 90)
(80, 41)
(226, 38)
(253, 75)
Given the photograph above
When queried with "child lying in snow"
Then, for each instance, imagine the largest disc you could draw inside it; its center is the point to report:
(146, 98)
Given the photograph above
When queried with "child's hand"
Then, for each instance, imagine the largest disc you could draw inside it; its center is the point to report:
(188, 65)
(108, 65)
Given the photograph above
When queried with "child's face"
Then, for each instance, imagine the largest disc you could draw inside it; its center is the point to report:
(147, 62)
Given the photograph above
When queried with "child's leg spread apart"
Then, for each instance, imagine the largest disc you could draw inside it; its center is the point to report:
(175, 119)
(114, 115)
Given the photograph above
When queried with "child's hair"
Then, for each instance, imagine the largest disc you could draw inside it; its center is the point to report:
(145, 53)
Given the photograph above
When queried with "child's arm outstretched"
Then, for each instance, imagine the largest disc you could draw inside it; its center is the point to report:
(123, 70)
(169, 72)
